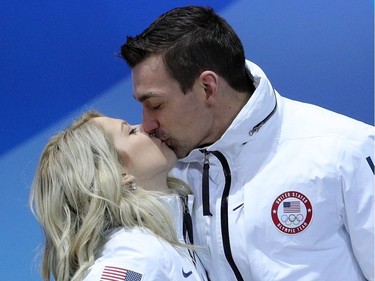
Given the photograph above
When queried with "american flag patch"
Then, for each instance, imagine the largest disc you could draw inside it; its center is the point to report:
(113, 273)
(292, 207)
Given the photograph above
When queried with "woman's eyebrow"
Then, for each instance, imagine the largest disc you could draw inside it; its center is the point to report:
(122, 125)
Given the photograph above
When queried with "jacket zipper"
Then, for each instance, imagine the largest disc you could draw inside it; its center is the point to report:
(224, 206)
(257, 127)
(224, 196)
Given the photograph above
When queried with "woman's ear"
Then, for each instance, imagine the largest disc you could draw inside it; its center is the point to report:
(209, 82)
(128, 181)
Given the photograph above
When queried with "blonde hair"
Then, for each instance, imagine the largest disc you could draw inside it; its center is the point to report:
(77, 196)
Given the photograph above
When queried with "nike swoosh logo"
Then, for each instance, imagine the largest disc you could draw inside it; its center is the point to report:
(186, 274)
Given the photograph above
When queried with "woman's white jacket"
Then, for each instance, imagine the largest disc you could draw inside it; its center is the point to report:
(136, 254)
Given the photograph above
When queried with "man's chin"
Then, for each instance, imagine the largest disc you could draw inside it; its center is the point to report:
(175, 150)
(180, 153)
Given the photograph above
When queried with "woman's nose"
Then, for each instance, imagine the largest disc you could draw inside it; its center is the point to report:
(142, 130)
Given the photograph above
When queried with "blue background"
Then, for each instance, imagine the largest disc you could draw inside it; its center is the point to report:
(58, 59)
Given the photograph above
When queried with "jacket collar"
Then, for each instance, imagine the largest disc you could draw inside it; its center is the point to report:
(258, 109)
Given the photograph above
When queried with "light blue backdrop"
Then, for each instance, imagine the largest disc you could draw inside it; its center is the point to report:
(58, 58)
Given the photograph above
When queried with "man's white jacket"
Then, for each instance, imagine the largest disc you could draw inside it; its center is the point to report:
(287, 193)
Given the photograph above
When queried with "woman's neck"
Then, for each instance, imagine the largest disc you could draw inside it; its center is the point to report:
(155, 184)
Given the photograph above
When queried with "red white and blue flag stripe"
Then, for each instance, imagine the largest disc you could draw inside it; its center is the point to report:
(292, 207)
(114, 273)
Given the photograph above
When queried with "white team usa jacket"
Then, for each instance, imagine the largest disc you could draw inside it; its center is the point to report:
(287, 193)
(136, 254)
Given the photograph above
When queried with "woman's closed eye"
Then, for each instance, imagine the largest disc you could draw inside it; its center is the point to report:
(132, 130)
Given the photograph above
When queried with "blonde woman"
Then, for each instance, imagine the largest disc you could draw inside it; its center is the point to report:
(102, 195)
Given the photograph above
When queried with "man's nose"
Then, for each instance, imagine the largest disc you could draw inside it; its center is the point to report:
(149, 124)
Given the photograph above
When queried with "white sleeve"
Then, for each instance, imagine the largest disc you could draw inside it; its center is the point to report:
(137, 257)
(358, 189)
(117, 270)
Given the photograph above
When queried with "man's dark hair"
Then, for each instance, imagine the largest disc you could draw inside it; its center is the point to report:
(191, 40)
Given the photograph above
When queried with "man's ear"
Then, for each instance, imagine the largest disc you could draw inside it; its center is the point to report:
(209, 82)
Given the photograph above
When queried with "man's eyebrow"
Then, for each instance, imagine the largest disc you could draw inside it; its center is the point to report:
(147, 96)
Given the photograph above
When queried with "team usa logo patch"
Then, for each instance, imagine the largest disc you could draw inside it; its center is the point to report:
(292, 212)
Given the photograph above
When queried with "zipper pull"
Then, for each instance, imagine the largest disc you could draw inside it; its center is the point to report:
(205, 184)
(187, 222)
(256, 129)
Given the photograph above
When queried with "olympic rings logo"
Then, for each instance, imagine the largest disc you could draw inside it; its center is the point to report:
(292, 219)
(291, 212)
